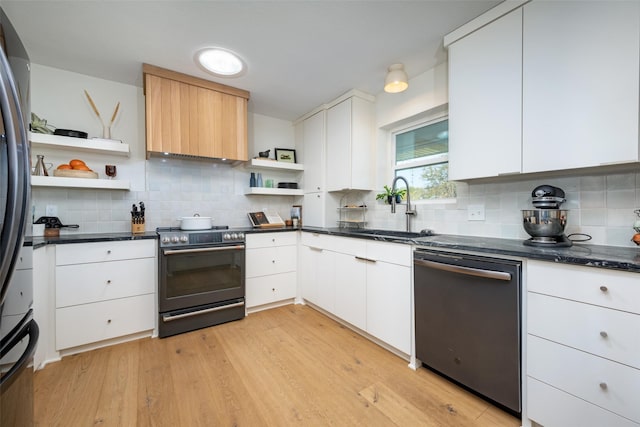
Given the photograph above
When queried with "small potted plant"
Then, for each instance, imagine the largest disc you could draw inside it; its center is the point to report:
(389, 194)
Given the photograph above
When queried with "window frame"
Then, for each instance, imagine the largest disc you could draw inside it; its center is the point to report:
(433, 160)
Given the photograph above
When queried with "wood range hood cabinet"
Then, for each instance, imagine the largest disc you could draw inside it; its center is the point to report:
(192, 117)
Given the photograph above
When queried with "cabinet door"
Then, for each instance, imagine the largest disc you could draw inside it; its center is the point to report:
(314, 209)
(308, 273)
(349, 142)
(314, 153)
(389, 304)
(580, 84)
(485, 101)
(351, 289)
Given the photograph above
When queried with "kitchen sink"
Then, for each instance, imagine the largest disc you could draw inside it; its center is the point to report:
(391, 233)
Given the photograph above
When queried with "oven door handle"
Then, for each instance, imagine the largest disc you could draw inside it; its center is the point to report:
(169, 317)
(193, 251)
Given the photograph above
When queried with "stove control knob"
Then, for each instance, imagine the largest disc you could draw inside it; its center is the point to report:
(234, 236)
(175, 239)
(184, 238)
(240, 235)
(166, 239)
(226, 236)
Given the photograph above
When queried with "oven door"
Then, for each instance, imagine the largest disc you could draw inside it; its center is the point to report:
(196, 276)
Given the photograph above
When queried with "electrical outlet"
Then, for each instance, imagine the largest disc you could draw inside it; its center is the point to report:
(475, 213)
(51, 210)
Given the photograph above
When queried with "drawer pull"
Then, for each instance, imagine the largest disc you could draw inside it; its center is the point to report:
(604, 288)
(108, 320)
(273, 289)
(109, 251)
(603, 385)
(273, 240)
(108, 282)
(603, 334)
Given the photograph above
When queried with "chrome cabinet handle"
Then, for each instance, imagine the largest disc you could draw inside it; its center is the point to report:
(364, 259)
(603, 385)
(604, 288)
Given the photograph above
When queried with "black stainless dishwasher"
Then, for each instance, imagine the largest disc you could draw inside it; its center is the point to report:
(467, 313)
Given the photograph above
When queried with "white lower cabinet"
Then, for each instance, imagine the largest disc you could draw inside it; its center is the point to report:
(351, 289)
(365, 283)
(389, 303)
(271, 264)
(104, 290)
(583, 363)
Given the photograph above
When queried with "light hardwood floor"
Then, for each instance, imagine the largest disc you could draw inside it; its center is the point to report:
(286, 366)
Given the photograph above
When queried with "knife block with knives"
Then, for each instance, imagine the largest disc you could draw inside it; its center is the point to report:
(137, 219)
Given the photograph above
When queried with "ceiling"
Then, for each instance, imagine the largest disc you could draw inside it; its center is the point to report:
(300, 54)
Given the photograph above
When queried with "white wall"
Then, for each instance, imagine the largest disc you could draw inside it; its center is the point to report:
(170, 188)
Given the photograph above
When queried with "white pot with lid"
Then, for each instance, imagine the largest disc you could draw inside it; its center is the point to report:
(196, 222)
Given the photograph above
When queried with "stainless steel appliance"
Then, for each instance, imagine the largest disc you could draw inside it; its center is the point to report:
(467, 322)
(547, 222)
(19, 330)
(201, 278)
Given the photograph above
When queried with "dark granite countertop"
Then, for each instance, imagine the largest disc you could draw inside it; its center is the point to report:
(611, 257)
(39, 241)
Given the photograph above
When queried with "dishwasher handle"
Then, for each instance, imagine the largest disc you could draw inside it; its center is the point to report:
(469, 271)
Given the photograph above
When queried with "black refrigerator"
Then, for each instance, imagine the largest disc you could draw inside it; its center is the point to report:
(18, 328)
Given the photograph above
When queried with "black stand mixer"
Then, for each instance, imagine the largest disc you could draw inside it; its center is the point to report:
(546, 223)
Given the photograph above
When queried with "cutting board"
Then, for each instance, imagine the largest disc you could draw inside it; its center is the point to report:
(69, 173)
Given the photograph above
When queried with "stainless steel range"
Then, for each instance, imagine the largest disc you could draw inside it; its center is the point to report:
(201, 278)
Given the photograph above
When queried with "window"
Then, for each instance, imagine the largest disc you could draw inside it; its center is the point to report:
(422, 157)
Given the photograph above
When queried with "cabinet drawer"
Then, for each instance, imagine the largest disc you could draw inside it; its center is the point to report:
(88, 323)
(268, 240)
(315, 240)
(25, 259)
(264, 261)
(79, 253)
(347, 245)
(608, 384)
(268, 289)
(393, 253)
(19, 295)
(599, 286)
(551, 407)
(605, 332)
(85, 283)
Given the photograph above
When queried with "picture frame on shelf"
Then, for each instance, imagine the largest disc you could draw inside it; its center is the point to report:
(286, 155)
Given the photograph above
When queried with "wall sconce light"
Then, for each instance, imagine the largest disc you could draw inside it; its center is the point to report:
(397, 80)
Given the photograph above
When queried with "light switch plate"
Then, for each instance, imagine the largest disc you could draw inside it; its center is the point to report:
(475, 213)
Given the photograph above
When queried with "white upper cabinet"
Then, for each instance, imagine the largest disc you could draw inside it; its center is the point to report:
(314, 152)
(580, 84)
(485, 99)
(350, 137)
(548, 86)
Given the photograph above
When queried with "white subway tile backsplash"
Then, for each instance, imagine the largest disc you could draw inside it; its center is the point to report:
(621, 199)
(599, 205)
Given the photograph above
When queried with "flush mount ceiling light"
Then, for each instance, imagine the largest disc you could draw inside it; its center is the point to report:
(396, 80)
(220, 62)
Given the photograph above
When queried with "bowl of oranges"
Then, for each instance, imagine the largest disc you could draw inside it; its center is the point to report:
(76, 168)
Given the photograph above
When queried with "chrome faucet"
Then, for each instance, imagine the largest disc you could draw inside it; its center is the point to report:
(409, 211)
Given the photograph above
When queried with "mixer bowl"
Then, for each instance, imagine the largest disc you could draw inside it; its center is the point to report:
(544, 222)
